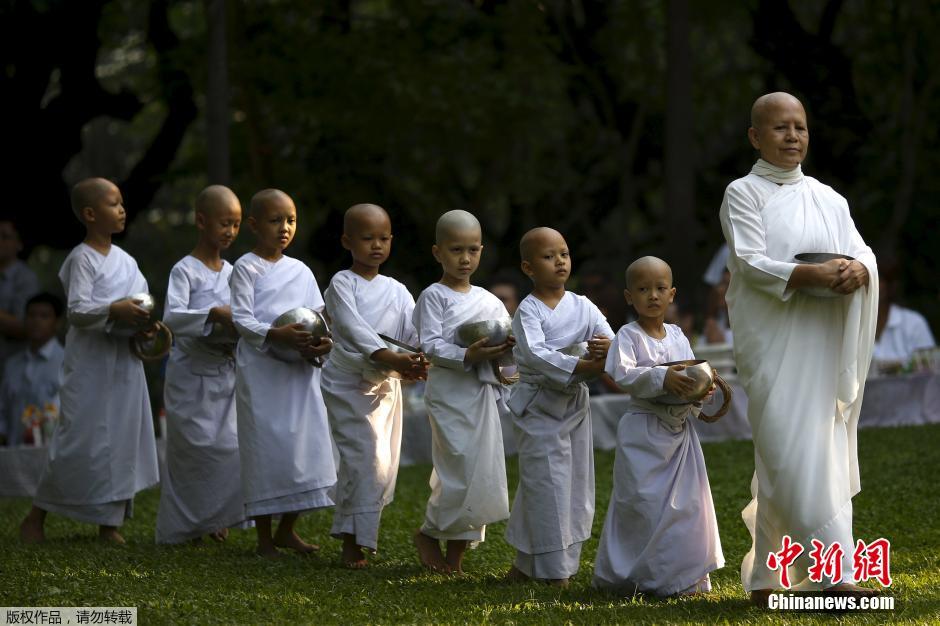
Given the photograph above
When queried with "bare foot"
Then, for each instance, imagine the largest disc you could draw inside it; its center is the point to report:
(559, 583)
(268, 552)
(32, 531)
(353, 556)
(760, 597)
(219, 535)
(294, 542)
(848, 589)
(516, 575)
(454, 557)
(110, 534)
(429, 552)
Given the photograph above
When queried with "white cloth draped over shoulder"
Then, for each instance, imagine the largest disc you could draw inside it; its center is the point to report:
(553, 508)
(198, 494)
(364, 405)
(660, 534)
(283, 435)
(468, 483)
(802, 359)
(103, 449)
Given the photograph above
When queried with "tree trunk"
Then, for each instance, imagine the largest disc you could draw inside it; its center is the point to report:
(682, 232)
(217, 95)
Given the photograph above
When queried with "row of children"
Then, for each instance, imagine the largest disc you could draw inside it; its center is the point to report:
(660, 534)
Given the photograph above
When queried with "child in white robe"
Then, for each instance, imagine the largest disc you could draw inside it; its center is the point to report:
(198, 495)
(363, 400)
(554, 506)
(468, 483)
(283, 435)
(103, 449)
(660, 534)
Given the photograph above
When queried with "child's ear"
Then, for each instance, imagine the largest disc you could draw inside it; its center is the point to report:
(200, 220)
(252, 223)
(628, 297)
(344, 240)
(672, 295)
(436, 253)
(88, 214)
(526, 268)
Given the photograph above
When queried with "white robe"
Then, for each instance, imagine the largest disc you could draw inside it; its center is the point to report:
(103, 449)
(803, 360)
(553, 509)
(364, 405)
(283, 434)
(468, 483)
(660, 534)
(198, 493)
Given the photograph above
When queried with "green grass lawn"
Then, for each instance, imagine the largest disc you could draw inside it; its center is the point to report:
(228, 584)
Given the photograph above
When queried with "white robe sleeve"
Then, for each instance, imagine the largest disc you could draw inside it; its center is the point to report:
(82, 310)
(530, 341)
(744, 231)
(347, 322)
(639, 382)
(181, 319)
(243, 305)
(429, 323)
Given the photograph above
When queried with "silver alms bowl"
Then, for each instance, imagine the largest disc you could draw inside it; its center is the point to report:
(221, 339)
(143, 300)
(579, 350)
(496, 332)
(313, 323)
(815, 258)
(700, 371)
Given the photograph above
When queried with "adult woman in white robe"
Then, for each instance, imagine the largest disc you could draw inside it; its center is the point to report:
(801, 358)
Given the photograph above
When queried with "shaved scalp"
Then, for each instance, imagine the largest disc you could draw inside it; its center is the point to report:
(641, 266)
(87, 193)
(455, 221)
(358, 213)
(535, 237)
(770, 101)
(214, 197)
(261, 200)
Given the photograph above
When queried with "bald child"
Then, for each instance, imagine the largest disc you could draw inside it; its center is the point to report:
(553, 510)
(468, 483)
(198, 495)
(102, 451)
(361, 382)
(660, 534)
(283, 435)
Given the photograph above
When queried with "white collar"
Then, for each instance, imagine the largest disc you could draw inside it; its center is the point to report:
(777, 174)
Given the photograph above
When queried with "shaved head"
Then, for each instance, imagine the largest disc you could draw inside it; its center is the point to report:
(215, 197)
(359, 214)
(456, 221)
(265, 198)
(88, 193)
(643, 267)
(539, 237)
(763, 105)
